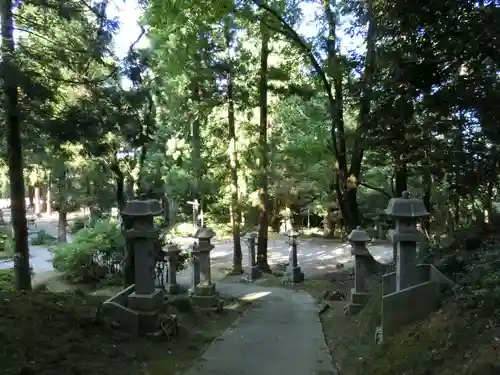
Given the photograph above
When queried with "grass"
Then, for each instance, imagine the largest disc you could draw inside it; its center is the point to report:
(53, 333)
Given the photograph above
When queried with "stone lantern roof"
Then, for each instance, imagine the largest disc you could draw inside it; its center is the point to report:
(359, 235)
(142, 208)
(204, 233)
(406, 207)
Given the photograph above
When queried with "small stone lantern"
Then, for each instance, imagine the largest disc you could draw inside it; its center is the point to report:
(358, 239)
(204, 295)
(293, 272)
(253, 268)
(172, 257)
(141, 238)
(406, 212)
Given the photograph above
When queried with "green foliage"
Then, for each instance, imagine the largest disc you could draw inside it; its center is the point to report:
(6, 241)
(94, 255)
(6, 280)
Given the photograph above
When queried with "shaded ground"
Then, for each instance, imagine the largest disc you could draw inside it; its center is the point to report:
(62, 333)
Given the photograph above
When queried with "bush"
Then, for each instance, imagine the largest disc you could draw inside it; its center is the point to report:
(6, 241)
(6, 280)
(96, 253)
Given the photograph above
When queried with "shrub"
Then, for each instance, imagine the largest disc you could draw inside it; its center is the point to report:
(6, 280)
(6, 242)
(95, 254)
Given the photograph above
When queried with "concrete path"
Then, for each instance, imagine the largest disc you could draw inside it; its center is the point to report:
(280, 334)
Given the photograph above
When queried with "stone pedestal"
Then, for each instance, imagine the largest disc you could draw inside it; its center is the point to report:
(145, 297)
(359, 295)
(253, 269)
(195, 269)
(205, 296)
(293, 272)
(172, 257)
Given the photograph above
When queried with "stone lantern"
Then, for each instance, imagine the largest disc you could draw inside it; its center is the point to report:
(141, 238)
(204, 294)
(253, 268)
(172, 256)
(358, 239)
(406, 212)
(293, 272)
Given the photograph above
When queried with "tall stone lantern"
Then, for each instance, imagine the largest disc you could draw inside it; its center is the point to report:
(141, 240)
(406, 212)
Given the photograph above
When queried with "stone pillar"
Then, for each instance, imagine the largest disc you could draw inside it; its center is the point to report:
(406, 212)
(253, 268)
(293, 272)
(195, 268)
(204, 295)
(141, 238)
(359, 295)
(172, 256)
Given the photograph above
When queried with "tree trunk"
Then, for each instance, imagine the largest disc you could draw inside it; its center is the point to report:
(48, 197)
(15, 153)
(119, 184)
(31, 196)
(263, 165)
(233, 162)
(62, 224)
(427, 177)
(196, 149)
(401, 176)
(37, 200)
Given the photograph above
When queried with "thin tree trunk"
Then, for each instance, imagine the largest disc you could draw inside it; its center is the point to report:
(263, 167)
(15, 153)
(48, 196)
(37, 200)
(62, 225)
(196, 149)
(233, 163)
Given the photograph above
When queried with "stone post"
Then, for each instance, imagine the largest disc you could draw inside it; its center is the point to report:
(195, 268)
(172, 256)
(293, 272)
(406, 212)
(253, 268)
(204, 295)
(142, 237)
(359, 296)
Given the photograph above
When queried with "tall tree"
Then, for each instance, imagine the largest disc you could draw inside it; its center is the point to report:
(10, 74)
(263, 149)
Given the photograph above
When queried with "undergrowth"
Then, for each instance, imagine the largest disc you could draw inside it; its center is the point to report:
(463, 337)
(52, 334)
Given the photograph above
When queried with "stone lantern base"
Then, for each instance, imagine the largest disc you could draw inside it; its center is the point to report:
(358, 301)
(173, 288)
(145, 302)
(131, 312)
(294, 274)
(206, 298)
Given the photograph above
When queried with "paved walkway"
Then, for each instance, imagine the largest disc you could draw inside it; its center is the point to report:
(280, 334)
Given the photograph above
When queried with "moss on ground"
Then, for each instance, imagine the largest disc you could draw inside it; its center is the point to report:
(53, 333)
